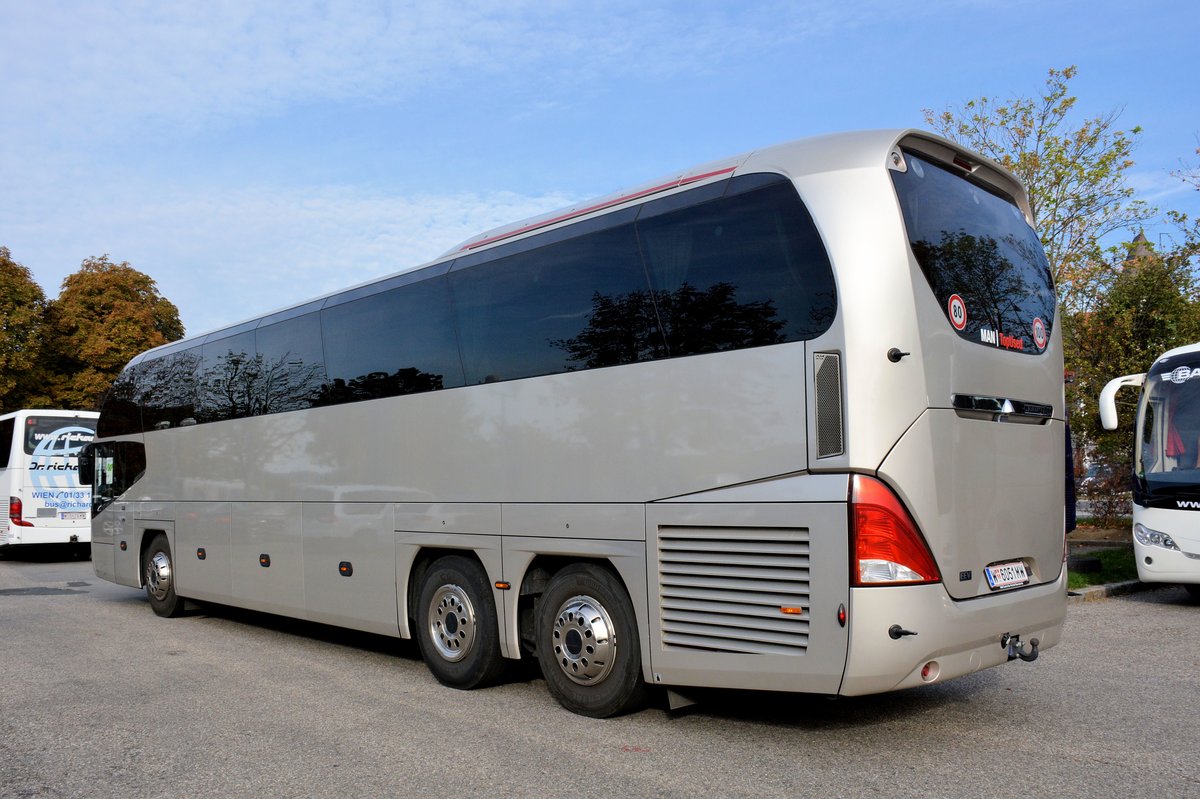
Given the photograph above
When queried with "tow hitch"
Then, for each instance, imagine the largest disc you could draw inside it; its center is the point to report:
(1016, 650)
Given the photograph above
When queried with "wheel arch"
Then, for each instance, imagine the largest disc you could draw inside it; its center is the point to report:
(537, 575)
(426, 557)
(530, 563)
(145, 535)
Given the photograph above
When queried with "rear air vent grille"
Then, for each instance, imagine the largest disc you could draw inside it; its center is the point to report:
(724, 589)
(827, 388)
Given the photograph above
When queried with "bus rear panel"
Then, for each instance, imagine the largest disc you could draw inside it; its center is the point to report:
(46, 503)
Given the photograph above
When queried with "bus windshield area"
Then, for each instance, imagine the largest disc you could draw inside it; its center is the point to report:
(1168, 451)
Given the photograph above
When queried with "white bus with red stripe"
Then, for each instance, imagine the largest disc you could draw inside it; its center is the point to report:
(790, 421)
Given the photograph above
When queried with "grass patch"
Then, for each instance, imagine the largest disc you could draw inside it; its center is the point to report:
(1116, 566)
(1086, 522)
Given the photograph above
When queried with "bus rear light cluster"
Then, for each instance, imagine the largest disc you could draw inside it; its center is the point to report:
(14, 512)
(888, 549)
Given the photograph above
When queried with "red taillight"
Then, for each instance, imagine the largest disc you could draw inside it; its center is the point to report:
(14, 512)
(888, 549)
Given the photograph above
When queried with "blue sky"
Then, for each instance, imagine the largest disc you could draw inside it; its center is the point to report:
(251, 155)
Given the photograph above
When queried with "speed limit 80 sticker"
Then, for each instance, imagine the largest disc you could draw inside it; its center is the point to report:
(958, 312)
(1039, 333)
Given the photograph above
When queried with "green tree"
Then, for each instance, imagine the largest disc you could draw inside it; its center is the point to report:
(1190, 173)
(105, 314)
(1075, 174)
(22, 306)
(1148, 309)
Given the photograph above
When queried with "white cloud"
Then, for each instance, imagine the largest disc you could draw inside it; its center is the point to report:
(88, 69)
(223, 256)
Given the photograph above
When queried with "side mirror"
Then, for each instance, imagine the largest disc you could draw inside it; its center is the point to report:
(86, 461)
(1108, 398)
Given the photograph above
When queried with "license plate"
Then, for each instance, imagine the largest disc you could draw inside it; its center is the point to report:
(1006, 575)
(74, 514)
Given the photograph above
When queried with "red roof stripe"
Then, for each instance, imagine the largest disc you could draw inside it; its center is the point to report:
(684, 181)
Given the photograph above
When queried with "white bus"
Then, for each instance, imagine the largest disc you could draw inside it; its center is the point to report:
(39, 474)
(789, 421)
(1166, 466)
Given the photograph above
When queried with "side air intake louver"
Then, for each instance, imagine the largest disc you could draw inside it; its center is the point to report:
(827, 387)
(721, 589)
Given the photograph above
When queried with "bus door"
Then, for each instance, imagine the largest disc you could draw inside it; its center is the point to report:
(111, 468)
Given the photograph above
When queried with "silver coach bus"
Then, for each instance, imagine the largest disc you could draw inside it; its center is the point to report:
(790, 421)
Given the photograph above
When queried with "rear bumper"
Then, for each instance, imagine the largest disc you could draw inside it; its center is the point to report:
(22, 536)
(961, 636)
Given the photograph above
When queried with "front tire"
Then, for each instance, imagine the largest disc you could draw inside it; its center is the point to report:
(158, 572)
(456, 624)
(588, 644)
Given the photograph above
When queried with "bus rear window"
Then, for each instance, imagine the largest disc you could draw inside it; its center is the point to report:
(984, 263)
(57, 435)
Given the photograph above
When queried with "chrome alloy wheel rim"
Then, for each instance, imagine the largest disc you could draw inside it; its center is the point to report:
(158, 575)
(452, 622)
(585, 640)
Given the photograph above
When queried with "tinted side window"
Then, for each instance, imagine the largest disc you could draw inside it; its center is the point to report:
(742, 271)
(290, 373)
(228, 380)
(6, 441)
(580, 303)
(169, 389)
(392, 343)
(120, 413)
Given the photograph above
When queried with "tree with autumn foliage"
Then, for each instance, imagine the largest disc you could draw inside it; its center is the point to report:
(22, 309)
(1074, 172)
(106, 314)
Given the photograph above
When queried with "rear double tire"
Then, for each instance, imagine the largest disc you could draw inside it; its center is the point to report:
(456, 624)
(588, 644)
(158, 574)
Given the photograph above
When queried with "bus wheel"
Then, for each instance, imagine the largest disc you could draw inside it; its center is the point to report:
(160, 579)
(587, 643)
(457, 629)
